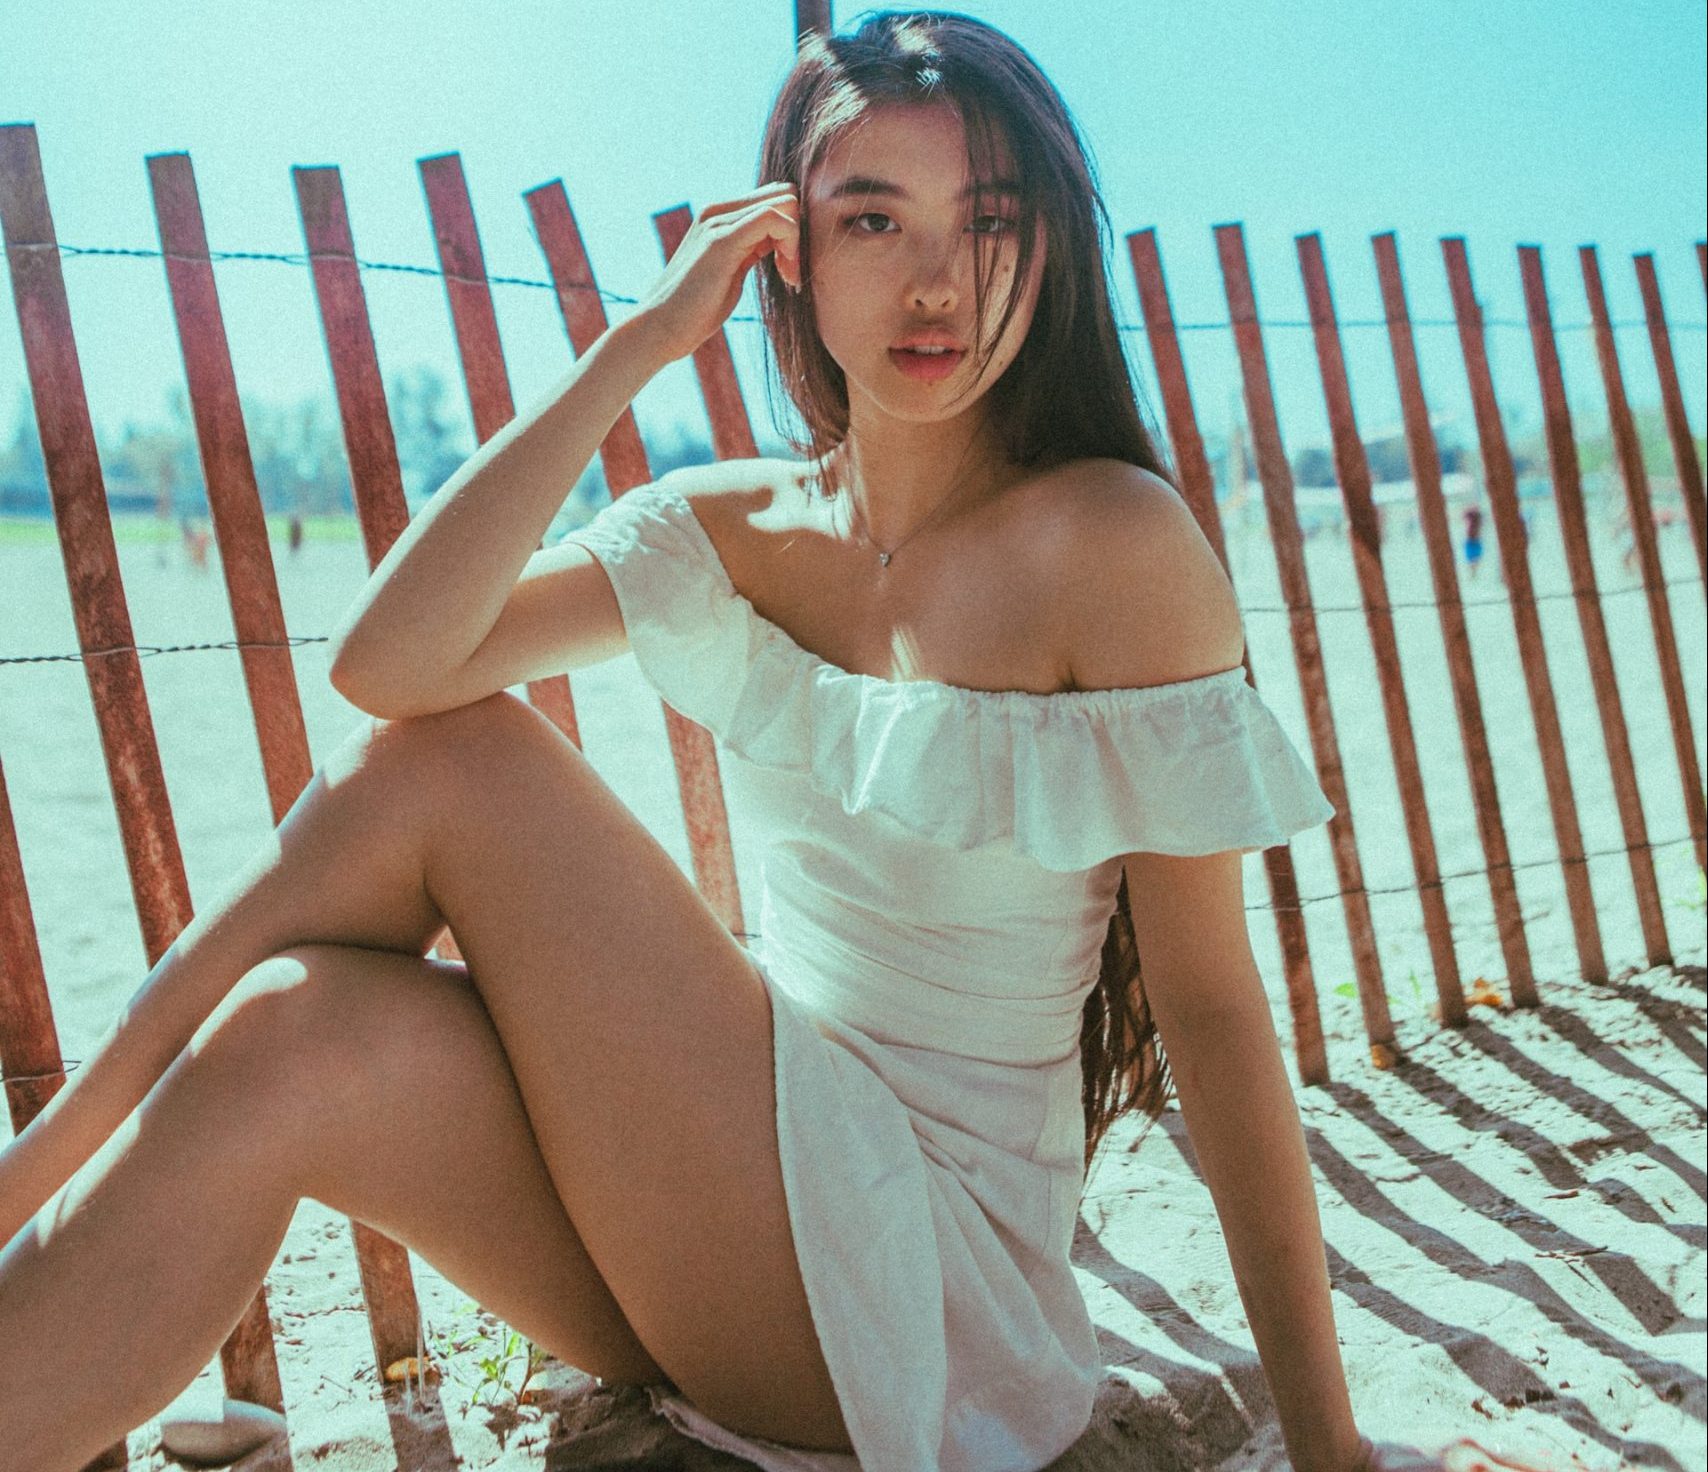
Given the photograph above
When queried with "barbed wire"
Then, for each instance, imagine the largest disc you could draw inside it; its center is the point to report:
(72, 1064)
(1286, 608)
(291, 258)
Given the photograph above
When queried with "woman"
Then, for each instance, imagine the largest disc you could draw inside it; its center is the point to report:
(819, 1200)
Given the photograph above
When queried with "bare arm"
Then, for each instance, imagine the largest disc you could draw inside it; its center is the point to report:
(438, 592)
(1239, 1110)
(1145, 601)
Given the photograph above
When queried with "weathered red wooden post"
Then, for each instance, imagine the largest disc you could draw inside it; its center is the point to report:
(1352, 469)
(475, 324)
(1467, 703)
(120, 700)
(1502, 485)
(1598, 651)
(732, 438)
(1672, 405)
(1197, 488)
(30, 1061)
(1630, 455)
(1276, 478)
(623, 457)
(811, 15)
(387, 1284)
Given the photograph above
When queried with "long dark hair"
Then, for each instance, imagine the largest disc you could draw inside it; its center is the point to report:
(1068, 393)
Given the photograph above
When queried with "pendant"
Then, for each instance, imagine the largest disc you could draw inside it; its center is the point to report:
(884, 557)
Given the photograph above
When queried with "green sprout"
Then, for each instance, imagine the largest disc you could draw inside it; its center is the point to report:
(496, 1359)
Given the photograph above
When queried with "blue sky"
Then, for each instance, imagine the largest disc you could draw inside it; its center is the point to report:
(1547, 122)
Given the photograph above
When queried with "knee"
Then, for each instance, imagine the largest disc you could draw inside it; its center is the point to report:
(280, 1027)
(483, 736)
(431, 756)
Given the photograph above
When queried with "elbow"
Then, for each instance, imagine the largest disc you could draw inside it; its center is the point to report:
(373, 698)
(362, 692)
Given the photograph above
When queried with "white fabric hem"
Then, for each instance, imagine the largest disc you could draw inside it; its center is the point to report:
(772, 1456)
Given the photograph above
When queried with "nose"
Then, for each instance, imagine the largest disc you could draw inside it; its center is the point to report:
(935, 275)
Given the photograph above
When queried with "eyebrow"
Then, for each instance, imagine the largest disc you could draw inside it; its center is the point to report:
(860, 184)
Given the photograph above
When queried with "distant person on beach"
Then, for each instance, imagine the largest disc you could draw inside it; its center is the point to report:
(1630, 556)
(295, 532)
(195, 536)
(993, 728)
(1473, 518)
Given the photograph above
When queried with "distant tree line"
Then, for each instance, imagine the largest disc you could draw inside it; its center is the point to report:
(298, 453)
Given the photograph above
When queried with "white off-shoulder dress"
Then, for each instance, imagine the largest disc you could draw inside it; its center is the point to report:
(940, 868)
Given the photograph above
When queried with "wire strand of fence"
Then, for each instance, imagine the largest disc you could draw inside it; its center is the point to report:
(296, 639)
(291, 258)
(72, 1064)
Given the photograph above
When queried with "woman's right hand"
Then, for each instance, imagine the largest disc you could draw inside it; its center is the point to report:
(702, 283)
(1463, 1454)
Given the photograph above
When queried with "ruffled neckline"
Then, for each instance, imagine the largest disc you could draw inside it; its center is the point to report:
(864, 685)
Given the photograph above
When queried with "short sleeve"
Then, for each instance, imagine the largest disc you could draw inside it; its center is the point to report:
(1196, 767)
(687, 639)
(1071, 779)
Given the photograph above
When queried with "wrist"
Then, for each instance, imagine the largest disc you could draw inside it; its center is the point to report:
(1340, 1449)
(642, 334)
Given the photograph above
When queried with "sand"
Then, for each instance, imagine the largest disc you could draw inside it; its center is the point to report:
(1515, 1215)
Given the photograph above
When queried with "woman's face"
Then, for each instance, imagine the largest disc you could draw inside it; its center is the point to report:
(890, 252)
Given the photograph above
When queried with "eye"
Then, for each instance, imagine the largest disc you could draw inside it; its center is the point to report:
(1004, 224)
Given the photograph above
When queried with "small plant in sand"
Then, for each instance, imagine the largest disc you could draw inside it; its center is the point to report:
(497, 1351)
(1701, 900)
(1350, 991)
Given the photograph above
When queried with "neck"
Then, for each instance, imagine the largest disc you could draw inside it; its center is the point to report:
(899, 481)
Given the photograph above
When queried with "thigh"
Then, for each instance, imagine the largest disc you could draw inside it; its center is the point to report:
(640, 1036)
(406, 1117)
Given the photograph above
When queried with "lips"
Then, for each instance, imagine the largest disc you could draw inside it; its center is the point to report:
(929, 366)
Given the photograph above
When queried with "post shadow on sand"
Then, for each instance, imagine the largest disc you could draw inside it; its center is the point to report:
(1671, 1018)
(1552, 1159)
(1485, 1363)
(1619, 1131)
(1493, 1367)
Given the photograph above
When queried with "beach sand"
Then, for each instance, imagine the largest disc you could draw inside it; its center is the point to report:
(1514, 1215)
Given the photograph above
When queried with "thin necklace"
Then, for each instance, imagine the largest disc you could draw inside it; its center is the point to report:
(883, 556)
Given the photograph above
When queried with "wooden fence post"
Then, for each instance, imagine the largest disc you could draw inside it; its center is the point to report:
(1502, 485)
(1467, 703)
(1276, 478)
(1598, 651)
(1352, 469)
(1630, 456)
(1198, 490)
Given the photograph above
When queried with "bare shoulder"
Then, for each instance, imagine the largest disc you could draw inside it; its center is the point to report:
(1141, 597)
(713, 478)
(726, 491)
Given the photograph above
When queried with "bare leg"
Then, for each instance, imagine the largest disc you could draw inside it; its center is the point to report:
(306, 1081)
(343, 867)
(608, 1010)
(144, 1263)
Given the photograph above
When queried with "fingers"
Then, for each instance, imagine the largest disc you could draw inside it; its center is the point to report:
(764, 220)
(762, 195)
(770, 225)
